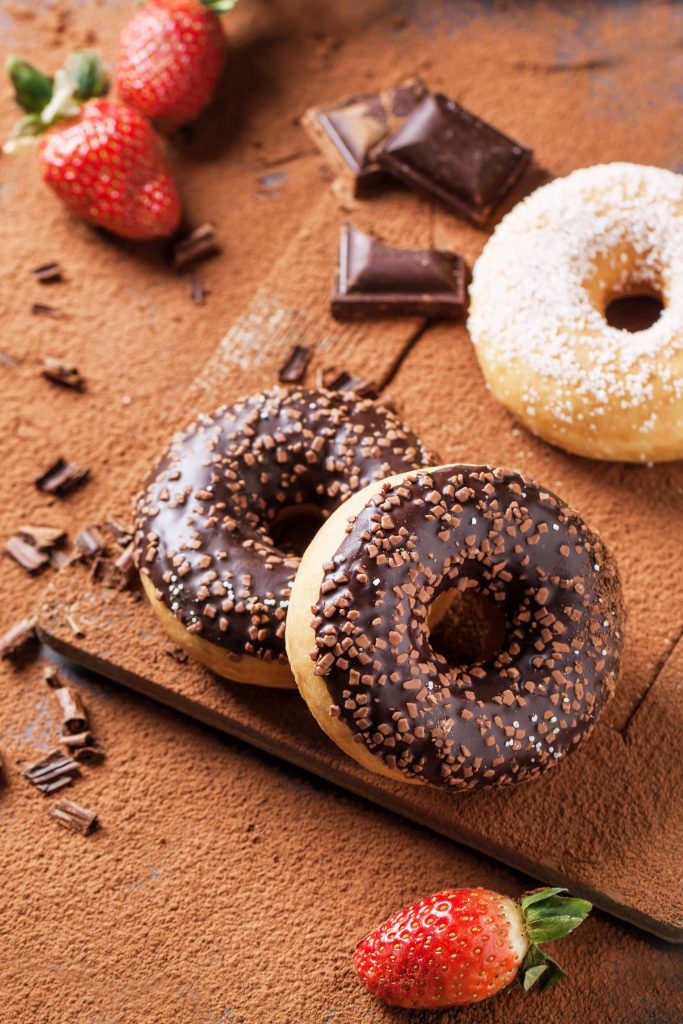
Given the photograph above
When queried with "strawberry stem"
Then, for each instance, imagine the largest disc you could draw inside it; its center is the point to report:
(548, 916)
(219, 6)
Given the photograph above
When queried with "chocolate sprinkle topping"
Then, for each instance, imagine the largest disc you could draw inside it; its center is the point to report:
(204, 522)
(523, 549)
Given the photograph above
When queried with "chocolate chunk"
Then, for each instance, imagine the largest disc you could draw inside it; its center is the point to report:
(444, 151)
(62, 373)
(378, 280)
(52, 772)
(25, 555)
(18, 638)
(198, 245)
(42, 537)
(62, 477)
(90, 541)
(70, 815)
(294, 367)
(348, 132)
(48, 273)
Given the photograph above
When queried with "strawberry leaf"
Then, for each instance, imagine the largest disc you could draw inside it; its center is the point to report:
(549, 916)
(32, 89)
(88, 74)
(538, 968)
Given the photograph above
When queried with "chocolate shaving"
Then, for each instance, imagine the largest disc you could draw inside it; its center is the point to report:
(48, 273)
(29, 558)
(18, 637)
(344, 381)
(122, 533)
(293, 369)
(90, 542)
(52, 677)
(62, 477)
(52, 772)
(44, 538)
(70, 815)
(77, 739)
(6, 359)
(74, 716)
(58, 560)
(90, 754)
(74, 627)
(198, 245)
(62, 373)
(198, 292)
(42, 309)
(118, 572)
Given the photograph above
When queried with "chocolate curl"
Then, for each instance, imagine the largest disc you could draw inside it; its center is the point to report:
(74, 717)
(70, 815)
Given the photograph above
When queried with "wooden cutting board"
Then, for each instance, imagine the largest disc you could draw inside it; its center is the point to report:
(626, 854)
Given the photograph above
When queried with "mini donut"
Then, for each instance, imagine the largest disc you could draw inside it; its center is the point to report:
(365, 663)
(537, 313)
(208, 562)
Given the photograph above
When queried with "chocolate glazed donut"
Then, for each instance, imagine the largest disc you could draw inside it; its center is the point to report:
(208, 561)
(365, 663)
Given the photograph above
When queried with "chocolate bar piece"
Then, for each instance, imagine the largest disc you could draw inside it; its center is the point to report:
(377, 280)
(444, 151)
(348, 132)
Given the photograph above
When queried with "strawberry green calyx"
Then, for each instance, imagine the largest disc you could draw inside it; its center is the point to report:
(48, 100)
(547, 916)
(32, 89)
(219, 6)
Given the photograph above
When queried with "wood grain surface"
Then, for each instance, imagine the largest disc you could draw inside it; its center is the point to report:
(614, 860)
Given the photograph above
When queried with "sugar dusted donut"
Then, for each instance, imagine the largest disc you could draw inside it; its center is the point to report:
(537, 312)
(358, 633)
(204, 545)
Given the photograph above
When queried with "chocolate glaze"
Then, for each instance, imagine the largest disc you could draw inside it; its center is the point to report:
(484, 724)
(203, 521)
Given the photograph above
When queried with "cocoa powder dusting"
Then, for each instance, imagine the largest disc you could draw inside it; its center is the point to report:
(222, 885)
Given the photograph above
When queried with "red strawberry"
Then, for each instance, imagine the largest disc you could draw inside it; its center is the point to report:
(464, 945)
(101, 158)
(170, 58)
(108, 168)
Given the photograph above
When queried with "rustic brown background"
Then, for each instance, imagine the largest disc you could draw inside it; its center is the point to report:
(224, 886)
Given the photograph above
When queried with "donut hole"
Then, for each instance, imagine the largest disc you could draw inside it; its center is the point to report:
(635, 311)
(294, 528)
(465, 627)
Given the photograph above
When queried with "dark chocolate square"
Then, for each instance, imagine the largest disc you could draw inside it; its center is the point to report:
(377, 280)
(348, 132)
(443, 150)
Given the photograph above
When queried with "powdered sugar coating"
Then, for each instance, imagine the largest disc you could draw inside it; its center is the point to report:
(538, 296)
